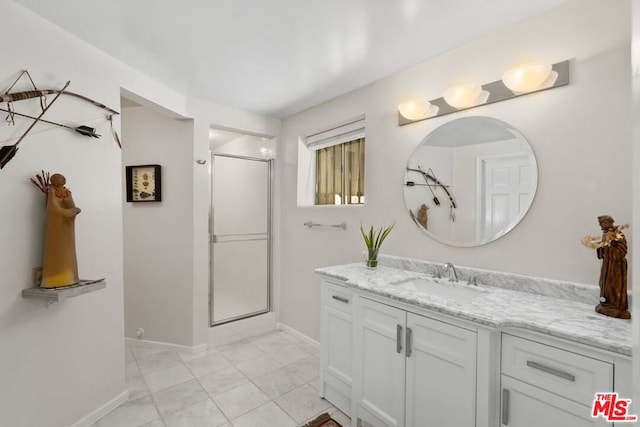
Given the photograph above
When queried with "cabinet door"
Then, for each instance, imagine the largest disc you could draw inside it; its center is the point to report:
(381, 363)
(441, 374)
(524, 405)
(337, 332)
(336, 336)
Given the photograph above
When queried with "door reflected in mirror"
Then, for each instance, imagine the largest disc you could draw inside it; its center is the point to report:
(470, 181)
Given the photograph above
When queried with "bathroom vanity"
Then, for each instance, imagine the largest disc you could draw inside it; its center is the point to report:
(401, 348)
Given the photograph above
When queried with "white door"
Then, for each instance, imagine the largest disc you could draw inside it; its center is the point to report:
(381, 364)
(240, 238)
(524, 405)
(441, 374)
(504, 193)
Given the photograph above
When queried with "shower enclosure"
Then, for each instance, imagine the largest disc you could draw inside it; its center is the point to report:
(240, 238)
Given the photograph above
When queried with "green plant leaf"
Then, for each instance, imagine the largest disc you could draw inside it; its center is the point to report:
(373, 238)
(385, 233)
(367, 241)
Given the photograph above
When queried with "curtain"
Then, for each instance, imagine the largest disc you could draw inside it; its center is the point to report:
(340, 174)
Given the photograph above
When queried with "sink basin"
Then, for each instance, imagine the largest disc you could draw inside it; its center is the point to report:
(453, 291)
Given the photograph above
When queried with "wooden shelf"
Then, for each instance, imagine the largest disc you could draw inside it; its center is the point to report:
(58, 294)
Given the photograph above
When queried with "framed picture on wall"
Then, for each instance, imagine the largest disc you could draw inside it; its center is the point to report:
(144, 183)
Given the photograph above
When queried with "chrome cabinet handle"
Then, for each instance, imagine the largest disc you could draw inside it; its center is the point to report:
(409, 343)
(505, 407)
(550, 370)
(341, 299)
(398, 338)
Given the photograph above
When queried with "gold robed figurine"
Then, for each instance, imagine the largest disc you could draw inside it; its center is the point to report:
(611, 248)
(60, 266)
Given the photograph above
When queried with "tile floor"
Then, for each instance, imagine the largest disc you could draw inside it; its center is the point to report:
(268, 380)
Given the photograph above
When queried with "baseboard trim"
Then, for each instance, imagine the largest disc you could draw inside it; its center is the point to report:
(298, 334)
(167, 346)
(94, 416)
(241, 329)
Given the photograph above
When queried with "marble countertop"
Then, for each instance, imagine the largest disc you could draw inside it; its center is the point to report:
(496, 307)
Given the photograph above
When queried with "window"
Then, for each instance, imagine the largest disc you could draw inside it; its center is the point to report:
(340, 174)
(331, 165)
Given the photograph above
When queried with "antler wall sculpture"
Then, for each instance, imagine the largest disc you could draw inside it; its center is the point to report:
(432, 182)
(8, 152)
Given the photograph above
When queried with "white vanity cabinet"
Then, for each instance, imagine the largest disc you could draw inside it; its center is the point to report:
(412, 370)
(546, 385)
(336, 337)
(393, 360)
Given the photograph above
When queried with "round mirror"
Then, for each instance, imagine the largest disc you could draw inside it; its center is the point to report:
(470, 181)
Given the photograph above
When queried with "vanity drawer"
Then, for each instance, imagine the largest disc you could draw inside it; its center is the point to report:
(338, 297)
(568, 374)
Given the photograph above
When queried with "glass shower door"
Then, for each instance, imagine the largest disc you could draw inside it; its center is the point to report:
(240, 241)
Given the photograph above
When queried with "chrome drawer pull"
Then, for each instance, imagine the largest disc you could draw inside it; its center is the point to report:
(341, 299)
(550, 370)
(409, 343)
(505, 407)
(398, 339)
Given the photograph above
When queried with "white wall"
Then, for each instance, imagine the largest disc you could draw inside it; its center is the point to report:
(579, 133)
(635, 195)
(158, 238)
(59, 365)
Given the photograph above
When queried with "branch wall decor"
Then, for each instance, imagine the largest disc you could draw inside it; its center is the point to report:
(9, 151)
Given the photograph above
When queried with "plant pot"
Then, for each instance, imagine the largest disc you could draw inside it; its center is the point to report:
(371, 263)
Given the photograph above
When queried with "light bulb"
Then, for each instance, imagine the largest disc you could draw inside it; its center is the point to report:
(415, 110)
(463, 96)
(527, 77)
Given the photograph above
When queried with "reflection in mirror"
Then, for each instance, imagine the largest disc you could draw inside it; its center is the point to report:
(470, 181)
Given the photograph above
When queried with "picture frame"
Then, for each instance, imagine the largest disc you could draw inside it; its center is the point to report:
(144, 183)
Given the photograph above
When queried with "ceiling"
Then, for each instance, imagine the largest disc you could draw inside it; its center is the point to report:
(278, 57)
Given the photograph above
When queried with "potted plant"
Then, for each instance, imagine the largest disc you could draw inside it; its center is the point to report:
(373, 239)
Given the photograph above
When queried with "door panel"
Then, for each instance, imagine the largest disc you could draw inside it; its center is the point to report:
(505, 192)
(240, 241)
(240, 279)
(241, 196)
(441, 374)
(382, 365)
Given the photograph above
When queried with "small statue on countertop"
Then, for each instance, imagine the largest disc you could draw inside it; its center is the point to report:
(611, 248)
(423, 216)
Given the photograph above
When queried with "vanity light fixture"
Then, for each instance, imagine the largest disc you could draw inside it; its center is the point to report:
(519, 81)
(465, 96)
(417, 110)
(529, 77)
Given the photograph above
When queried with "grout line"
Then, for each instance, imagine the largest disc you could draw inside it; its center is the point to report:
(297, 340)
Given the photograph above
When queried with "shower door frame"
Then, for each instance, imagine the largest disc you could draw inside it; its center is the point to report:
(212, 238)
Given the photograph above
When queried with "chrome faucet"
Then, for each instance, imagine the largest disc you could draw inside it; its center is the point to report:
(450, 271)
(435, 271)
(473, 280)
